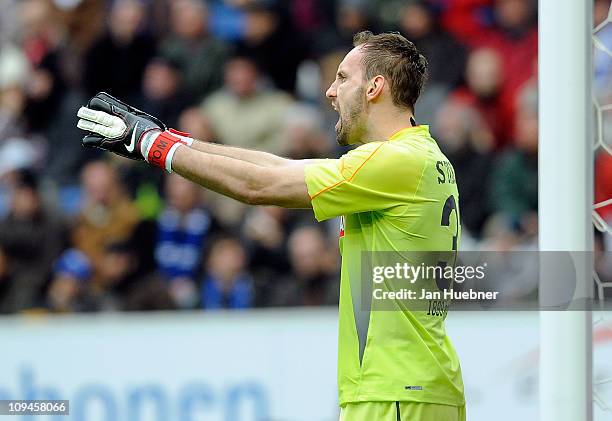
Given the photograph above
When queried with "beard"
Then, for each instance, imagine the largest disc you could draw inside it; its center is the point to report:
(349, 128)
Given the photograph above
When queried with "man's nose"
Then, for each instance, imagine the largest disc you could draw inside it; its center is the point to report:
(331, 91)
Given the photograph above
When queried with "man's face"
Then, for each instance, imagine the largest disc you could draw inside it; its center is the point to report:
(347, 95)
(241, 77)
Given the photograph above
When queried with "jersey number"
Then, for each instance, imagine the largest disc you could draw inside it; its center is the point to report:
(449, 206)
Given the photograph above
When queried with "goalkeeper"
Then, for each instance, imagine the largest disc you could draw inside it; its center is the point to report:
(394, 191)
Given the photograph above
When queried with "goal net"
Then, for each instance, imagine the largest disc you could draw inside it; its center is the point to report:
(602, 208)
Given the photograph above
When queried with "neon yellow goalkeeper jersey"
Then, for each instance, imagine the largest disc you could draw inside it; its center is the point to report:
(394, 195)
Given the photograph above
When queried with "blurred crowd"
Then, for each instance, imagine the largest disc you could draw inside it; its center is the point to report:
(85, 231)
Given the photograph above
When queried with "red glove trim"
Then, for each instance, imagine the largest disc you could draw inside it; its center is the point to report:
(179, 133)
(185, 138)
(158, 152)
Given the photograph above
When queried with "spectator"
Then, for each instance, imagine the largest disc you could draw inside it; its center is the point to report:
(467, 142)
(49, 113)
(46, 90)
(304, 132)
(71, 277)
(182, 230)
(446, 57)
(480, 22)
(116, 265)
(516, 41)
(467, 20)
(82, 26)
(149, 294)
(48, 103)
(226, 283)
(313, 281)
(40, 30)
(351, 17)
(32, 237)
(484, 80)
(514, 182)
(310, 16)
(245, 112)
(272, 45)
(264, 232)
(119, 284)
(512, 33)
(162, 95)
(141, 182)
(14, 74)
(199, 56)
(107, 214)
(50, 99)
(227, 212)
(116, 62)
(197, 124)
(17, 154)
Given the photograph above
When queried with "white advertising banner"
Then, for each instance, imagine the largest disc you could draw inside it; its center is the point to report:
(186, 367)
(250, 366)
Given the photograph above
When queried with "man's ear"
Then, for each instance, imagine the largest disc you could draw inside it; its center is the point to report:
(375, 87)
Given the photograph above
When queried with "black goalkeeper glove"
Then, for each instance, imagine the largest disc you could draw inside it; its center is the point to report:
(122, 129)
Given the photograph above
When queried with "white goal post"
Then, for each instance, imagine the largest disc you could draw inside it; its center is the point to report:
(565, 172)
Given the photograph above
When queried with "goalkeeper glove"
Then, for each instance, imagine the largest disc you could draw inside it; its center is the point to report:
(122, 129)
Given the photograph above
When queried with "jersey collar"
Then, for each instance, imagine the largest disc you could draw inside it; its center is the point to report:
(423, 128)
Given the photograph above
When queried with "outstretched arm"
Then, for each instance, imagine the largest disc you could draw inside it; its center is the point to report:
(279, 185)
(248, 176)
(263, 159)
